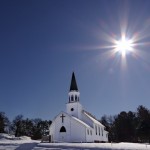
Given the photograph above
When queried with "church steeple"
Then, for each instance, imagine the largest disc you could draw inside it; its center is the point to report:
(73, 85)
(74, 108)
(73, 92)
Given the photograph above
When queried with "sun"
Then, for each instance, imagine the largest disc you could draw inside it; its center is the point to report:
(124, 46)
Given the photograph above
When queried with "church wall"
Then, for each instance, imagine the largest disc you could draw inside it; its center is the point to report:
(58, 136)
(105, 137)
(51, 131)
(78, 131)
(75, 131)
(89, 135)
(99, 134)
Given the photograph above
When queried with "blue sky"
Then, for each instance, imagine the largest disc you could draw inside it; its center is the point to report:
(42, 42)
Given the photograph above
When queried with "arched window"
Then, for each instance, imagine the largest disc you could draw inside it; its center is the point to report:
(62, 129)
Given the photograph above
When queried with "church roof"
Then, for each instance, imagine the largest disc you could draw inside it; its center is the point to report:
(73, 85)
(93, 119)
(80, 121)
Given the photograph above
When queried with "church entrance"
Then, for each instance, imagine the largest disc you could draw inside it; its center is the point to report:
(63, 134)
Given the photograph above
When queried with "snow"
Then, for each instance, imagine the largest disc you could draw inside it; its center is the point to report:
(8, 142)
(93, 146)
(12, 137)
(6, 136)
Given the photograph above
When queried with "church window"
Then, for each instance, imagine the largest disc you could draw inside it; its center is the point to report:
(72, 109)
(102, 131)
(88, 131)
(96, 130)
(62, 129)
(72, 98)
(99, 131)
(91, 132)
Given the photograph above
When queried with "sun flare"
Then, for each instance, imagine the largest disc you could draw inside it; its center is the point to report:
(124, 45)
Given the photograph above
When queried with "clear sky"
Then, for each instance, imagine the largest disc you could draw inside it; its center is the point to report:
(43, 41)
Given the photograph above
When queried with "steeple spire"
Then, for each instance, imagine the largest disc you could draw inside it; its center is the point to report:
(73, 93)
(73, 85)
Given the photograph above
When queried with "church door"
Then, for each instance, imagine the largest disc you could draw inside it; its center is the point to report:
(63, 134)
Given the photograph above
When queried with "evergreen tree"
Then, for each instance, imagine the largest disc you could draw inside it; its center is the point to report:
(37, 133)
(17, 125)
(4, 123)
(123, 127)
(143, 128)
(107, 121)
(40, 128)
(28, 127)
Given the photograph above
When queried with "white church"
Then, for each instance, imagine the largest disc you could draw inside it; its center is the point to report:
(76, 124)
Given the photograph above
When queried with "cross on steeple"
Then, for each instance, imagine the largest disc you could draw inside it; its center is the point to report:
(62, 117)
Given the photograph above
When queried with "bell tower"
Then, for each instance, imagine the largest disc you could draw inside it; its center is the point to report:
(74, 107)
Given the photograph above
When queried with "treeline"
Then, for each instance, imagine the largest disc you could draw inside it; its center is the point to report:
(129, 126)
(124, 127)
(21, 126)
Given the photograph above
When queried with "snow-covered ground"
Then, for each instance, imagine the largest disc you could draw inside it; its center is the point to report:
(25, 143)
(8, 142)
(92, 146)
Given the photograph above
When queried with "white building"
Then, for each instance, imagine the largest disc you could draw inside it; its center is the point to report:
(76, 124)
